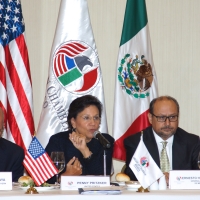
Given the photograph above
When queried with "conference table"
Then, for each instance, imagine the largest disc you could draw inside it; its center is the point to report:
(57, 194)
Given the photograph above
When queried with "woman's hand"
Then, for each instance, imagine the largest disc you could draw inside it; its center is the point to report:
(79, 141)
(73, 168)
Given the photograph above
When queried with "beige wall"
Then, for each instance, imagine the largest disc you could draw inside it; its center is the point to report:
(175, 31)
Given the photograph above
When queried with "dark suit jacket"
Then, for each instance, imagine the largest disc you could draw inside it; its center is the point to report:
(12, 157)
(92, 166)
(185, 149)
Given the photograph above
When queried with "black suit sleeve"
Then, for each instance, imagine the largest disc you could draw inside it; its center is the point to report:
(195, 154)
(186, 148)
(18, 169)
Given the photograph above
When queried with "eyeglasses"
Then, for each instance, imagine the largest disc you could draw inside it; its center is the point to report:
(87, 118)
(172, 118)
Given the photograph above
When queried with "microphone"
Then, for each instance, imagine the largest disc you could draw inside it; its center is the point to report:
(105, 143)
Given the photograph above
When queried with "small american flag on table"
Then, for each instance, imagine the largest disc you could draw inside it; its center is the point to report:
(38, 163)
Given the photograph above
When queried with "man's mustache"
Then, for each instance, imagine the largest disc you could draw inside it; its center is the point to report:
(167, 127)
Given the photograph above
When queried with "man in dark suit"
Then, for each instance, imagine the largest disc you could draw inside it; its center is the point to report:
(182, 147)
(11, 154)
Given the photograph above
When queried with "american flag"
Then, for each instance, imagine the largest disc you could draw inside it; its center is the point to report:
(15, 77)
(38, 163)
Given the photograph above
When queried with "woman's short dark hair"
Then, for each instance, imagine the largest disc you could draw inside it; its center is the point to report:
(79, 104)
(151, 107)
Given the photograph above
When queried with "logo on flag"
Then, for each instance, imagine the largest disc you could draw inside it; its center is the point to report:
(76, 66)
(144, 162)
(135, 76)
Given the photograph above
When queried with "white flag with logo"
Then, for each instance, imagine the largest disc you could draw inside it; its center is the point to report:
(74, 69)
(144, 167)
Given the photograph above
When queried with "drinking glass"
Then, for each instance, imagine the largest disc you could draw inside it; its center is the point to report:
(58, 159)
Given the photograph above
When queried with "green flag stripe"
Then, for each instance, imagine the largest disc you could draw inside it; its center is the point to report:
(134, 20)
(70, 76)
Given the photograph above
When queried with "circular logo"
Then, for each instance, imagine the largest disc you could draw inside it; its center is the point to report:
(135, 76)
(144, 162)
(76, 66)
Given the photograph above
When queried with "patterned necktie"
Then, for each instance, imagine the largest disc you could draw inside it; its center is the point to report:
(164, 160)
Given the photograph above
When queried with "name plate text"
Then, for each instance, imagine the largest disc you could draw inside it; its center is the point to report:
(184, 179)
(75, 182)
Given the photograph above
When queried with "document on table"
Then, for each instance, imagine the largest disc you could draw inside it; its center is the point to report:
(105, 192)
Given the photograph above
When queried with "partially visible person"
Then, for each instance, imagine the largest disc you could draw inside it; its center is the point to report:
(11, 155)
(182, 147)
(83, 153)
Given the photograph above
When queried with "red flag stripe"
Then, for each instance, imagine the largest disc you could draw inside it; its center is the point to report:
(64, 68)
(78, 46)
(44, 167)
(2, 75)
(21, 96)
(14, 127)
(68, 53)
(50, 163)
(24, 54)
(16, 69)
(55, 66)
(30, 166)
(16, 117)
(38, 167)
(139, 124)
(60, 63)
(35, 171)
(30, 169)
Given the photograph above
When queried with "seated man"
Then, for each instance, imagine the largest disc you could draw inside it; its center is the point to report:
(11, 154)
(182, 148)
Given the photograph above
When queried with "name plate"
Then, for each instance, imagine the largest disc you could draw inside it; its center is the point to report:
(75, 182)
(5, 180)
(184, 179)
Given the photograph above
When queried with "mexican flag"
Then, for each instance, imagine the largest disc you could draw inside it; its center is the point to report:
(136, 83)
(74, 69)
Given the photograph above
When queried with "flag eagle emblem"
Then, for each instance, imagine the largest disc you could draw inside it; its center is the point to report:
(76, 66)
(135, 76)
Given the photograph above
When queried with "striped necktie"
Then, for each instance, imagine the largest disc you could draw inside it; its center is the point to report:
(164, 160)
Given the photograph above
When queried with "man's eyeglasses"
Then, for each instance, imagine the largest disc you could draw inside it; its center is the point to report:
(172, 118)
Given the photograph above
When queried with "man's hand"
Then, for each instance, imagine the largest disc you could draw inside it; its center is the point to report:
(166, 177)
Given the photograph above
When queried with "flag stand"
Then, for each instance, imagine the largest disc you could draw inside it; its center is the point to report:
(141, 189)
(104, 162)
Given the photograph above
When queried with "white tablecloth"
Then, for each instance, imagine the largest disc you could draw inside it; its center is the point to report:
(57, 194)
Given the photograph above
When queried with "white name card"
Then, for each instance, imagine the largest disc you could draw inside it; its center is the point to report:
(5, 180)
(184, 179)
(75, 182)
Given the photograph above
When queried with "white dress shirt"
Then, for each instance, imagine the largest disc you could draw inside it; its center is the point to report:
(168, 146)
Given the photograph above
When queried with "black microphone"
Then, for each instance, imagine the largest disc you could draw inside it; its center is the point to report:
(105, 143)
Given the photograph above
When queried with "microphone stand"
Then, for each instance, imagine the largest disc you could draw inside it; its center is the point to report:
(104, 161)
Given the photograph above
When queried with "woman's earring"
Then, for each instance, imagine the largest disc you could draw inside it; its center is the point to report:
(73, 129)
